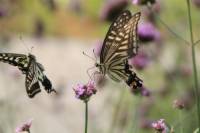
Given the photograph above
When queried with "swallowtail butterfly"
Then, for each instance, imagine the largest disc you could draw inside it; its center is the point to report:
(119, 45)
(32, 69)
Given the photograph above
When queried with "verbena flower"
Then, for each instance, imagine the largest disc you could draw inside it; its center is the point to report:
(112, 9)
(84, 92)
(143, 91)
(151, 14)
(75, 5)
(140, 61)
(160, 126)
(143, 2)
(147, 32)
(145, 123)
(196, 3)
(178, 104)
(25, 127)
(3, 12)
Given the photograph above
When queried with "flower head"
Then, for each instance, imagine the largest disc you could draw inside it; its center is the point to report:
(84, 92)
(160, 126)
(196, 3)
(140, 61)
(112, 8)
(3, 12)
(143, 91)
(25, 127)
(147, 32)
(178, 104)
(143, 2)
(150, 14)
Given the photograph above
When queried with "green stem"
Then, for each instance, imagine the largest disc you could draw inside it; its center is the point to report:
(196, 42)
(134, 124)
(116, 112)
(180, 120)
(166, 26)
(194, 63)
(86, 116)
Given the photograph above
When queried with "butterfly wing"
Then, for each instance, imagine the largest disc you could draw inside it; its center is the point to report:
(44, 80)
(120, 43)
(19, 60)
(113, 31)
(32, 69)
(31, 81)
(33, 77)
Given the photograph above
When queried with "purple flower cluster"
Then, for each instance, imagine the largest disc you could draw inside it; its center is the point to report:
(143, 2)
(25, 127)
(3, 12)
(147, 32)
(196, 3)
(84, 92)
(178, 104)
(112, 8)
(140, 61)
(160, 126)
(143, 91)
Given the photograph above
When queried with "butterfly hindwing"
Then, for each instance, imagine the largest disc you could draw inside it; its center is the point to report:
(31, 81)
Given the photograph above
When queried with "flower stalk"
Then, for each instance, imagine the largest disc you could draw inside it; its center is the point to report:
(84, 92)
(86, 116)
(180, 120)
(194, 63)
(149, 6)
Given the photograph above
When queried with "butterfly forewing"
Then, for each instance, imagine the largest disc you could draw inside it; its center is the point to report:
(120, 44)
(19, 60)
(31, 81)
(112, 33)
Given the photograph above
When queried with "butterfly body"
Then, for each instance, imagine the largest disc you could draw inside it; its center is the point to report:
(119, 45)
(33, 70)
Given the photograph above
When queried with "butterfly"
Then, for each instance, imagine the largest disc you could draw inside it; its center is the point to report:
(33, 71)
(119, 45)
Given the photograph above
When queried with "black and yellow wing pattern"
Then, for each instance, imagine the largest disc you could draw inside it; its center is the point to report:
(32, 69)
(119, 45)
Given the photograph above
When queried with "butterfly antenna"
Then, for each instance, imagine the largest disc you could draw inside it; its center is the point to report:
(88, 56)
(24, 44)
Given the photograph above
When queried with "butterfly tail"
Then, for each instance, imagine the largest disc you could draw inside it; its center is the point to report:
(47, 85)
(134, 82)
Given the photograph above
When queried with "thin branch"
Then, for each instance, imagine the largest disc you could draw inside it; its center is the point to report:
(166, 26)
(197, 42)
(196, 87)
